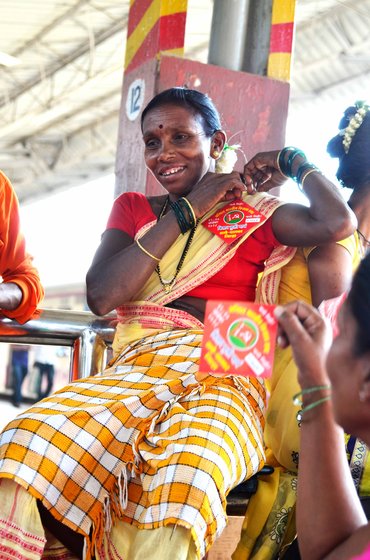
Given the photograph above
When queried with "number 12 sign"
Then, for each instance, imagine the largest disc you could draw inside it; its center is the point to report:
(135, 98)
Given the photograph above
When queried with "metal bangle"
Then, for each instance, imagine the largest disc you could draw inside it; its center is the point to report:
(306, 175)
(278, 166)
(146, 252)
(190, 208)
(184, 224)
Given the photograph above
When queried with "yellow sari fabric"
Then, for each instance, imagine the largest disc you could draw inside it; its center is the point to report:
(151, 441)
(273, 505)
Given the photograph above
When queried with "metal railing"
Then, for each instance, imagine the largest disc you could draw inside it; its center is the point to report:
(90, 337)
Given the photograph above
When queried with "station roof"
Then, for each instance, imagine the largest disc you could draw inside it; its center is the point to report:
(59, 105)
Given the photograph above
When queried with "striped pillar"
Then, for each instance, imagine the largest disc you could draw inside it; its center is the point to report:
(281, 39)
(154, 26)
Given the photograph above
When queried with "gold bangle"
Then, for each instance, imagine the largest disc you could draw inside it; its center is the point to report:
(146, 252)
(191, 209)
(307, 174)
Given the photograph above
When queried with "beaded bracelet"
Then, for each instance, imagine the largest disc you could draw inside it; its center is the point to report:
(310, 406)
(297, 397)
(298, 401)
(146, 252)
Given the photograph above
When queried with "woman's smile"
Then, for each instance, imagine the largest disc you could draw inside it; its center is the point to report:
(172, 171)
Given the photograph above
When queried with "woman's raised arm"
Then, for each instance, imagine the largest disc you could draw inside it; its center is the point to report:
(327, 218)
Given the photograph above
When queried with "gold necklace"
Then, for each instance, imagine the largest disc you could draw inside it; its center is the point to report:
(169, 284)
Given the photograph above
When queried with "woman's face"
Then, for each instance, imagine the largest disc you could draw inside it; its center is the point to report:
(346, 373)
(177, 151)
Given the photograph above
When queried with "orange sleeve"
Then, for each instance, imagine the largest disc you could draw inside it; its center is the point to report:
(15, 263)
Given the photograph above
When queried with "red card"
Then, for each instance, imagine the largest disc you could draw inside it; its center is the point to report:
(233, 220)
(239, 338)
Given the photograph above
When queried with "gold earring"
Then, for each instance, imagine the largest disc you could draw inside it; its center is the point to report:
(215, 154)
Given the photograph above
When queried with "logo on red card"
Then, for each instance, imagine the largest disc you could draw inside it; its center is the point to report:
(233, 217)
(233, 220)
(239, 338)
(243, 334)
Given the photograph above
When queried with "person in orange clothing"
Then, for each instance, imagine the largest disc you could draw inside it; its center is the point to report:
(21, 290)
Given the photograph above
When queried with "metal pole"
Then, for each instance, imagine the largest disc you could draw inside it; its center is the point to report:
(228, 33)
(240, 35)
(257, 43)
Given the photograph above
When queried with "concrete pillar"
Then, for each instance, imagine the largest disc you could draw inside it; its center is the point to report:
(281, 41)
(154, 27)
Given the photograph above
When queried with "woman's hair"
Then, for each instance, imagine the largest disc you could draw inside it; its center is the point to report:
(359, 304)
(354, 167)
(199, 103)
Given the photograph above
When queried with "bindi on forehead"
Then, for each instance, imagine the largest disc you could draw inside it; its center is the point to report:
(160, 126)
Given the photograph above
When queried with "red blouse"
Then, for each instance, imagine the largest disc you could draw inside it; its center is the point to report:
(235, 281)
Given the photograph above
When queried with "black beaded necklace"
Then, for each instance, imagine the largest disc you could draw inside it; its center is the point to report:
(169, 284)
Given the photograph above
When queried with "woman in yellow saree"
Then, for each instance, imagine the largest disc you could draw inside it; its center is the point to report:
(142, 457)
(305, 278)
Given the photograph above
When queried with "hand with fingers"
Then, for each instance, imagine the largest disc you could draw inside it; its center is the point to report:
(303, 328)
(262, 173)
(214, 188)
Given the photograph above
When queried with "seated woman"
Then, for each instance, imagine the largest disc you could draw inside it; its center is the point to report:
(137, 462)
(335, 394)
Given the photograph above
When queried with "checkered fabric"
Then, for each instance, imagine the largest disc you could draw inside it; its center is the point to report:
(150, 441)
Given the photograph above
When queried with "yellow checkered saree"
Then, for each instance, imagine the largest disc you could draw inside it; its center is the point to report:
(150, 441)
(182, 440)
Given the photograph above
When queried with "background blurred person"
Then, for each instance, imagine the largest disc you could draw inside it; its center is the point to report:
(45, 358)
(19, 369)
(20, 290)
